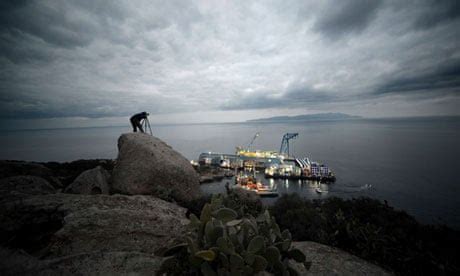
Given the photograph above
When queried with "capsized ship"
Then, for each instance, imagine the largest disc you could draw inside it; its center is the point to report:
(300, 168)
(258, 153)
(276, 164)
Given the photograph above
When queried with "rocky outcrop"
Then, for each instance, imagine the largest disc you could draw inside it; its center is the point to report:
(328, 260)
(90, 182)
(66, 233)
(147, 165)
(15, 168)
(25, 184)
(67, 172)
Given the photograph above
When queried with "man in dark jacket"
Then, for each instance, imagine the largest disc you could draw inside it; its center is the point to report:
(136, 121)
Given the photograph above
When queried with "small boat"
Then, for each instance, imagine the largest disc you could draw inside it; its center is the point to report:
(318, 190)
(265, 190)
(251, 184)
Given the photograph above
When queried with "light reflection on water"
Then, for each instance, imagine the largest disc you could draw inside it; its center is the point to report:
(304, 188)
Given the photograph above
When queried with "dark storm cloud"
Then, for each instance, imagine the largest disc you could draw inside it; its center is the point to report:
(31, 30)
(48, 23)
(19, 49)
(95, 105)
(445, 76)
(437, 12)
(25, 25)
(294, 96)
(112, 58)
(341, 17)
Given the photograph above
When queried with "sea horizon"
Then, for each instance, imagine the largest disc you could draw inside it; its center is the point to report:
(153, 123)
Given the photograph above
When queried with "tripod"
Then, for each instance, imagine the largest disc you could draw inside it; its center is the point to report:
(146, 125)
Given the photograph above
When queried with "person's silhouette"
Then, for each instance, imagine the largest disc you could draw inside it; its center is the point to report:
(136, 121)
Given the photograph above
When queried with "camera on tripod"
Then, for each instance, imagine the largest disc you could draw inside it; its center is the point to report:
(146, 126)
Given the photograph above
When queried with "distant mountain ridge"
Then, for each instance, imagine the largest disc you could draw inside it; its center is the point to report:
(308, 117)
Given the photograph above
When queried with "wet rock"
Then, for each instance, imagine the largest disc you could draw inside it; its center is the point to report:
(25, 184)
(15, 168)
(90, 182)
(328, 260)
(147, 165)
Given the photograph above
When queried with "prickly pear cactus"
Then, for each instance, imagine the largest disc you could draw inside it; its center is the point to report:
(221, 242)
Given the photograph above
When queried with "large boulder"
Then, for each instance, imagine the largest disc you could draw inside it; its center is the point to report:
(15, 168)
(326, 260)
(86, 234)
(147, 165)
(90, 182)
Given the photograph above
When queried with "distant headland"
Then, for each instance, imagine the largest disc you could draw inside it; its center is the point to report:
(308, 117)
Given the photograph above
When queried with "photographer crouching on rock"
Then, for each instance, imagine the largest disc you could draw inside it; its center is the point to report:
(136, 121)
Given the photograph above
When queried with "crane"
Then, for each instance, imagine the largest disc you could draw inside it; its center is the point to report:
(284, 149)
(252, 141)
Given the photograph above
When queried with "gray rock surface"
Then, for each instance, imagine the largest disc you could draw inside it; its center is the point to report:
(17, 262)
(15, 168)
(25, 184)
(90, 182)
(147, 165)
(328, 260)
(86, 234)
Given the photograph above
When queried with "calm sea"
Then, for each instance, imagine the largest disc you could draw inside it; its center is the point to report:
(414, 164)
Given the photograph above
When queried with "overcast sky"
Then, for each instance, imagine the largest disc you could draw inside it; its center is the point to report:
(190, 61)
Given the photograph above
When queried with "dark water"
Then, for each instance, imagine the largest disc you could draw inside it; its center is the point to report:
(413, 164)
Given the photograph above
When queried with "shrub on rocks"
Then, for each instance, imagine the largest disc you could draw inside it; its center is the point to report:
(224, 242)
(373, 231)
